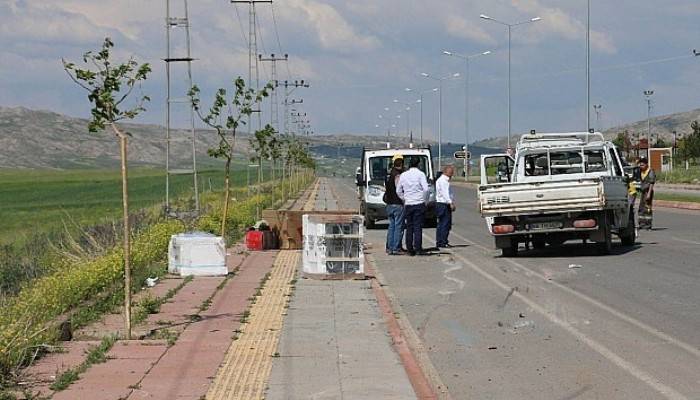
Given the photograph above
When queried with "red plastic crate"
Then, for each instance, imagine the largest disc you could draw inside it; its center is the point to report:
(254, 240)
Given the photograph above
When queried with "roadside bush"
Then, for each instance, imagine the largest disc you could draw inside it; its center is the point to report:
(27, 321)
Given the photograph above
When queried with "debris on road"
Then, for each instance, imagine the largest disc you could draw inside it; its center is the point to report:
(523, 324)
(574, 266)
(493, 348)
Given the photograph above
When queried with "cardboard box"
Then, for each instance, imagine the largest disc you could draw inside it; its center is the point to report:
(288, 225)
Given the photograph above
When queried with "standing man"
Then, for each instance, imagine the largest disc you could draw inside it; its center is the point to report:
(413, 189)
(647, 189)
(444, 205)
(394, 208)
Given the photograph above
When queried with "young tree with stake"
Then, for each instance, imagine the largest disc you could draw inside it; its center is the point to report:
(109, 85)
(225, 116)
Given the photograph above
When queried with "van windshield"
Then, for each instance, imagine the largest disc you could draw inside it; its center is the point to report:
(380, 167)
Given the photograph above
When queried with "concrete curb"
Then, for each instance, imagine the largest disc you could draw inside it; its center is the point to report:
(421, 373)
(677, 204)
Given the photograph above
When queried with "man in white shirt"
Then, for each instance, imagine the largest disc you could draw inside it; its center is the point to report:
(413, 189)
(444, 205)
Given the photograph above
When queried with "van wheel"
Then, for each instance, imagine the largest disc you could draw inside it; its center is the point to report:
(512, 250)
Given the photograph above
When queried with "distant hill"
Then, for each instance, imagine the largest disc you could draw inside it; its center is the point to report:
(661, 126)
(44, 139)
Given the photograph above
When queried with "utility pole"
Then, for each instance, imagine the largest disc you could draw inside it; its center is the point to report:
(253, 72)
(648, 94)
(288, 92)
(274, 102)
(171, 23)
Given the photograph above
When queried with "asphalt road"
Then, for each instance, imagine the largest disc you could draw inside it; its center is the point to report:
(555, 323)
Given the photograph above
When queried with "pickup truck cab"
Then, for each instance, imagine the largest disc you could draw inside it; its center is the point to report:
(557, 187)
(371, 176)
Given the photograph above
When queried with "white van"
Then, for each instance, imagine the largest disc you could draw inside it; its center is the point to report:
(371, 177)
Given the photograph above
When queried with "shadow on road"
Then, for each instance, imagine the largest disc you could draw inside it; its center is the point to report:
(576, 250)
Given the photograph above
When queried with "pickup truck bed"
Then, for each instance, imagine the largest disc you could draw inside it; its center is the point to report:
(591, 194)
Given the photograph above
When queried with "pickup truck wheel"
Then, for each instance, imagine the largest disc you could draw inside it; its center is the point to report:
(369, 222)
(510, 251)
(605, 247)
(628, 236)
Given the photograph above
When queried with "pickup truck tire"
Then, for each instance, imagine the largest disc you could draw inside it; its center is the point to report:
(605, 247)
(628, 235)
(512, 250)
(369, 222)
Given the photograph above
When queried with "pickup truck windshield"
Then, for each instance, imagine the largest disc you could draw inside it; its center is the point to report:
(379, 167)
(565, 162)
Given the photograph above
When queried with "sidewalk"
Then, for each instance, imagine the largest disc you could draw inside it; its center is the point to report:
(261, 333)
(335, 343)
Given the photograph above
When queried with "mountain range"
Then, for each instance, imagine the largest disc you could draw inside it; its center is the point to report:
(661, 127)
(47, 140)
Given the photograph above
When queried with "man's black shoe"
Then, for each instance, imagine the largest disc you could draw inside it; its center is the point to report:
(411, 253)
(422, 253)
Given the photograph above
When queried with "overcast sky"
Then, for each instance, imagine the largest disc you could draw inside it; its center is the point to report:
(359, 55)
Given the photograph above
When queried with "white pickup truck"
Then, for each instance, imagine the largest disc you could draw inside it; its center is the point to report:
(558, 187)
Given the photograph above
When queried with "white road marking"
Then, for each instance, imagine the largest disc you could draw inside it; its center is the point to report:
(647, 328)
(684, 240)
(627, 366)
(460, 283)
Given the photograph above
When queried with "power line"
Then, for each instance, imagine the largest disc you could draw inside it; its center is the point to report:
(258, 31)
(240, 25)
(277, 35)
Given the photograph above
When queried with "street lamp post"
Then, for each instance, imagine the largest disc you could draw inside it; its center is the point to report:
(510, 28)
(408, 118)
(466, 59)
(420, 101)
(440, 80)
(648, 94)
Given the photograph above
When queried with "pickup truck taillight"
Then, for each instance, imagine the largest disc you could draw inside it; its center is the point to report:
(501, 229)
(585, 223)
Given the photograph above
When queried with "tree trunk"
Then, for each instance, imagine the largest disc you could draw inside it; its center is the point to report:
(226, 197)
(127, 232)
(272, 179)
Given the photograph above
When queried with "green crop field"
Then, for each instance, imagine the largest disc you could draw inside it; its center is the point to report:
(34, 201)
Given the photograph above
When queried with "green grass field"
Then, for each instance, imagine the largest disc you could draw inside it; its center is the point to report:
(34, 201)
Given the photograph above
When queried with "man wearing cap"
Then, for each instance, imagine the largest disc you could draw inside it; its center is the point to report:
(413, 189)
(394, 208)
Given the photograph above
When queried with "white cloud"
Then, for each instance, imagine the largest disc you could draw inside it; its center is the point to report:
(461, 28)
(332, 30)
(39, 22)
(557, 21)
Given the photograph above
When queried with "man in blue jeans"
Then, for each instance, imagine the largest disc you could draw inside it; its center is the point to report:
(444, 205)
(413, 189)
(394, 208)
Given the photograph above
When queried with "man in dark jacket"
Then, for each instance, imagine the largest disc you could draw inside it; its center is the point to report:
(394, 208)
(648, 179)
